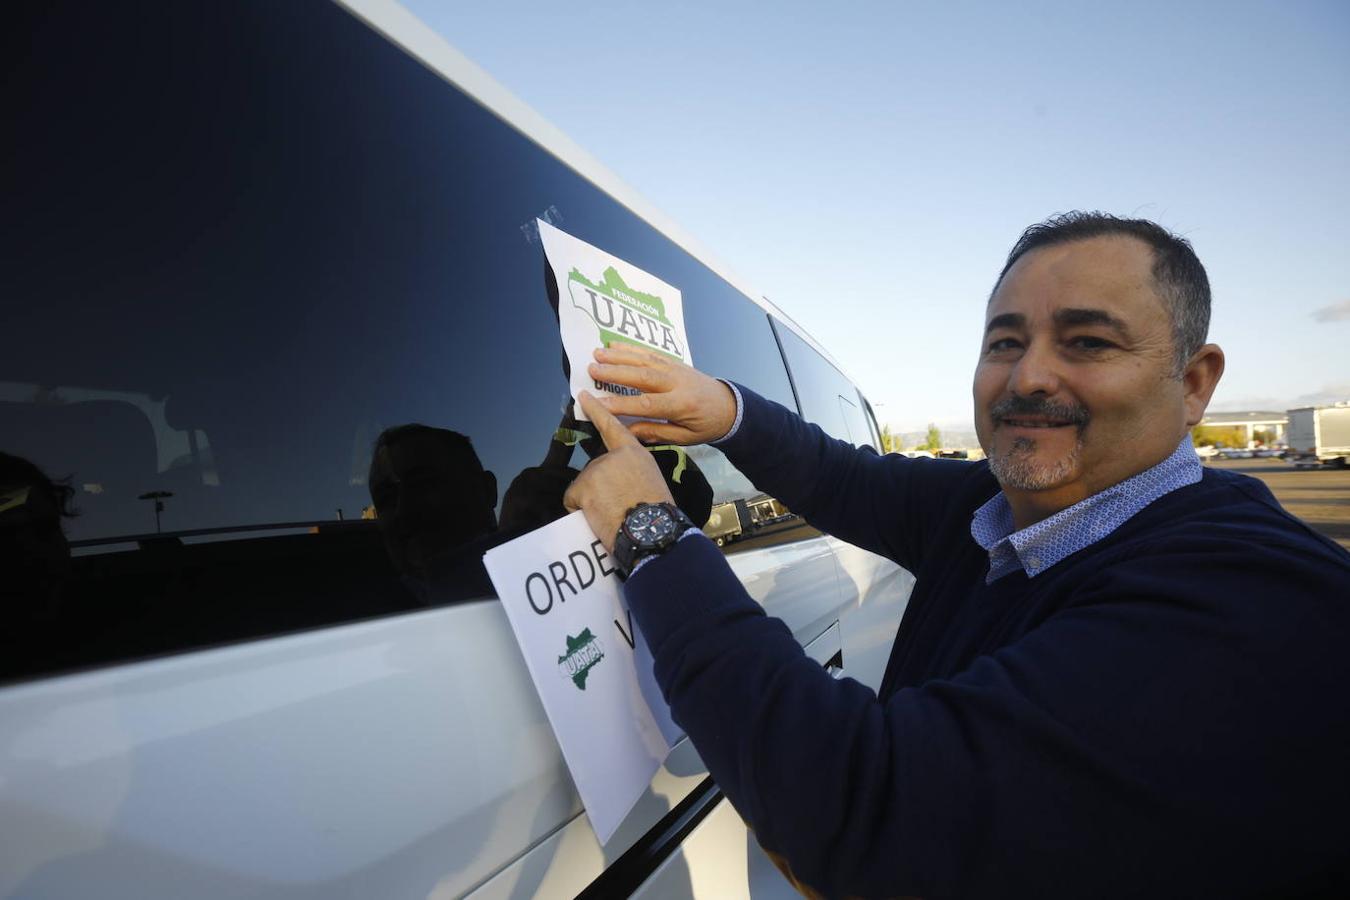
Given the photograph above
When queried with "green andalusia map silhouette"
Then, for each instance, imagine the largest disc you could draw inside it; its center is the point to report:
(583, 652)
(626, 323)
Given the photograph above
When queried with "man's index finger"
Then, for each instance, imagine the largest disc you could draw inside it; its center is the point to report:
(612, 431)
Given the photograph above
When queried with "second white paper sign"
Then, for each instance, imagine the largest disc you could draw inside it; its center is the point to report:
(591, 667)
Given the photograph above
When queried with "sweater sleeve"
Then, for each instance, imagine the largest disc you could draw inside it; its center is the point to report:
(1085, 759)
(887, 504)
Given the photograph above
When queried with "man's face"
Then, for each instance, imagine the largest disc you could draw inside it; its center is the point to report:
(1074, 390)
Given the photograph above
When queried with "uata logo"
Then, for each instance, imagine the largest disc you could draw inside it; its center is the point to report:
(583, 652)
(623, 314)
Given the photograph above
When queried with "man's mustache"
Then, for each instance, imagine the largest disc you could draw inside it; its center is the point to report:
(1014, 406)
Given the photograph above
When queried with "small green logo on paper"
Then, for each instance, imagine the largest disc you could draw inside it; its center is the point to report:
(583, 652)
(623, 314)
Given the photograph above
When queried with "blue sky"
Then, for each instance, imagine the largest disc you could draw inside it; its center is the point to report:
(868, 165)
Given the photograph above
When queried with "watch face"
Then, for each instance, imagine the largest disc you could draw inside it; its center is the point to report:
(649, 525)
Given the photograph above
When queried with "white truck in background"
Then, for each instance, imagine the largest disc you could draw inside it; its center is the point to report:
(1319, 435)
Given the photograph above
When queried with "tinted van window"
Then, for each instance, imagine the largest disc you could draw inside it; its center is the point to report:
(827, 398)
(280, 326)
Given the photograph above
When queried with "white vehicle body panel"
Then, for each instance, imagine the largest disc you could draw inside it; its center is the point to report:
(402, 756)
(384, 758)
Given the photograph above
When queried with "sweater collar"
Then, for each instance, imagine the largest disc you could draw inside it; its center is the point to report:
(1038, 547)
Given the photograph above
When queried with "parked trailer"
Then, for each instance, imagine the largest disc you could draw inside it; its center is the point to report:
(728, 521)
(1320, 434)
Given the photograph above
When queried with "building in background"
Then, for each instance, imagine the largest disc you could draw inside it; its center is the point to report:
(1245, 429)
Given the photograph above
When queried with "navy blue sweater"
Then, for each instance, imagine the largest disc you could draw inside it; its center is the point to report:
(1165, 713)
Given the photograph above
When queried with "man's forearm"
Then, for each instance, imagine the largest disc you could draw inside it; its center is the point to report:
(755, 707)
(845, 491)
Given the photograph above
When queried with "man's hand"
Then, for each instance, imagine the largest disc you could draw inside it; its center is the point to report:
(697, 408)
(612, 484)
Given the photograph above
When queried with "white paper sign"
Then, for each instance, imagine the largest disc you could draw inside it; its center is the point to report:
(603, 300)
(591, 667)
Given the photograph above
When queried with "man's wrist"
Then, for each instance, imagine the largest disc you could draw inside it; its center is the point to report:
(740, 410)
(647, 529)
(653, 558)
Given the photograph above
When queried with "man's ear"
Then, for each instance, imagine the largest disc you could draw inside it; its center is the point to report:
(1199, 381)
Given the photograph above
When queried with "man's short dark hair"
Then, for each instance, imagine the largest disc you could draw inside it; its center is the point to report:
(1181, 280)
(457, 446)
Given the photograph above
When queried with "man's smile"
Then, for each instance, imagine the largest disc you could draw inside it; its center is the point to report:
(1035, 422)
(1036, 414)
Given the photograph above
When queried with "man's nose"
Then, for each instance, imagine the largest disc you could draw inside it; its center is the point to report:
(1036, 372)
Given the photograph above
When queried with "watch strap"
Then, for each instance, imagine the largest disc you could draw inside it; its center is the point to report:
(628, 552)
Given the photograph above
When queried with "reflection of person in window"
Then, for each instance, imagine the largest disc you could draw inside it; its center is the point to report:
(534, 497)
(431, 495)
(34, 555)
(435, 505)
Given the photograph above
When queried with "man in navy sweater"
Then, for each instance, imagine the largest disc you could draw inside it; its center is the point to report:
(1119, 675)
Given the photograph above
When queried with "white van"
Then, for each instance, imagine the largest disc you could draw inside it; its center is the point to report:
(247, 243)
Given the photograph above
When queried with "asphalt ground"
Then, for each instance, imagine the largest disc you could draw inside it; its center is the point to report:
(1320, 497)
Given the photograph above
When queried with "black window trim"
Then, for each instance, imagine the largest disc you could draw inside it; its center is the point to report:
(774, 325)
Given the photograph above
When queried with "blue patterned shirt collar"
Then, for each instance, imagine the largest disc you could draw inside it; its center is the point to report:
(1038, 547)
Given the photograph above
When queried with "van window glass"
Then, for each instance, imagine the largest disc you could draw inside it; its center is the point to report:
(875, 430)
(279, 332)
(827, 398)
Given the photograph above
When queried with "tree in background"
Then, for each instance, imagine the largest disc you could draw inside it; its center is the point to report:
(1228, 435)
(934, 441)
(890, 441)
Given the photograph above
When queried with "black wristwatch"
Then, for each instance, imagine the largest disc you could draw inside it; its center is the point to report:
(647, 530)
